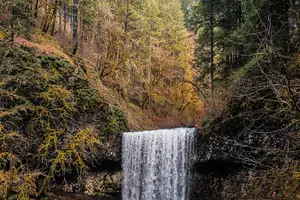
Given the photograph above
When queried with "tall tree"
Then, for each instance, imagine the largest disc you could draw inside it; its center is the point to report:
(17, 17)
(212, 52)
(75, 26)
(54, 14)
(65, 9)
(204, 19)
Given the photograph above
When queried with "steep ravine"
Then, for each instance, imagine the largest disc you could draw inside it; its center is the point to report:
(65, 135)
(51, 104)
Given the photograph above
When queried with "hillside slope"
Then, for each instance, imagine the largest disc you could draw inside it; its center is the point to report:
(53, 122)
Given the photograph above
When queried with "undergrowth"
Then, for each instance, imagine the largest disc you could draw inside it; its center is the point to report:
(51, 121)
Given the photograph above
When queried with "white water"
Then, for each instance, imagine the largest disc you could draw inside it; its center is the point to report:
(156, 164)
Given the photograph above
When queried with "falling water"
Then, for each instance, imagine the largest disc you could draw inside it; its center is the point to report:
(156, 164)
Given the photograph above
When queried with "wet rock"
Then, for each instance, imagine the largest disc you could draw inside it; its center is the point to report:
(102, 184)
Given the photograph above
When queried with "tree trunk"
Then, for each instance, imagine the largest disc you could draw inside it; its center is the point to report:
(75, 26)
(280, 25)
(54, 18)
(45, 22)
(36, 9)
(60, 18)
(212, 53)
(126, 22)
(12, 35)
(65, 17)
(82, 14)
(71, 21)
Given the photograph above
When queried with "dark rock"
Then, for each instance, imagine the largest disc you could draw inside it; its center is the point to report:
(234, 148)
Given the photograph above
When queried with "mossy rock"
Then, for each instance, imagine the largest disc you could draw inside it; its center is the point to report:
(116, 121)
(104, 184)
(49, 102)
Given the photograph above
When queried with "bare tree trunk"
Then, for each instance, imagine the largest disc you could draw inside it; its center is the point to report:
(65, 17)
(45, 22)
(212, 53)
(12, 35)
(54, 18)
(75, 26)
(82, 29)
(36, 9)
(126, 22)
(60, 18)
(47, 18)
(71, 20)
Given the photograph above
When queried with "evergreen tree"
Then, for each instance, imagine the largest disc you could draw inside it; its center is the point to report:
(19, 19)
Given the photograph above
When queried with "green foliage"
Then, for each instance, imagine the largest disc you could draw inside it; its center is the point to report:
(115, 122)
(206, 122)
(69, 157)
(19, 20)
(15, 177)
(248, 67)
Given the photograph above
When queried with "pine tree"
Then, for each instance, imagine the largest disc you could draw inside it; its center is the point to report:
(20, 20)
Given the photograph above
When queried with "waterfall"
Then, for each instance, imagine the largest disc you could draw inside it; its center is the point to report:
(156, 164)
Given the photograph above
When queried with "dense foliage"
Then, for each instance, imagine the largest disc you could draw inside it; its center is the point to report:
(141, 48)
(52, 121)
(251, 49)
(234, 36)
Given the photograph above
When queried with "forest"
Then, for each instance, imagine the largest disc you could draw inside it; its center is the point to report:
(76, 74)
